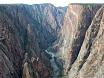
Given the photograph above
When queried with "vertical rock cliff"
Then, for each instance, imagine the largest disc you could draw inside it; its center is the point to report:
(81, 41)
(77, 20)
(91, 56)
(50, 19)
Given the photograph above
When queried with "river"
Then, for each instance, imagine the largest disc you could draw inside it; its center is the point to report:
(56, 70)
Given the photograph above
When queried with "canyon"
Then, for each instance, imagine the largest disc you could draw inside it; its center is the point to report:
(26, 31)
(44, 41)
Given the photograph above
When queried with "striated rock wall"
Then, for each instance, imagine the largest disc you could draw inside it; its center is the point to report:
(50, 19)
(77, 20)
(81, 41)
(91, 56)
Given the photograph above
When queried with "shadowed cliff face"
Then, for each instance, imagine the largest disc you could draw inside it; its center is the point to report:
(23, 38)
(51, 20)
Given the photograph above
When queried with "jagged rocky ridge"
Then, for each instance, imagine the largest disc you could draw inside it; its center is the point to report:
(81, 46)
(25, 32)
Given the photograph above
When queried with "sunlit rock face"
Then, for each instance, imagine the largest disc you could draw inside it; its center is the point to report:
(77, 20)
(90, 60)
(23, 39)
(81, 41)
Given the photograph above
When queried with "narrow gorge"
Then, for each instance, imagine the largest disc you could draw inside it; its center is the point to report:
(45, 41)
